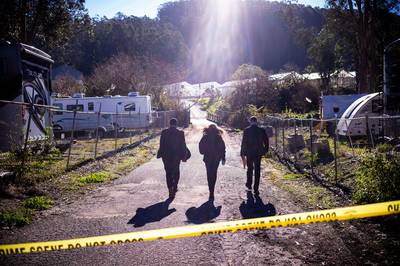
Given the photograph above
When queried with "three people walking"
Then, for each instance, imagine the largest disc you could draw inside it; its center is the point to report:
(212, 146)
(173, 150)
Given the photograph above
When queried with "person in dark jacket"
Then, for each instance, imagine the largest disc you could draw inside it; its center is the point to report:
(212, 146)
(172, 150)
(254, 146)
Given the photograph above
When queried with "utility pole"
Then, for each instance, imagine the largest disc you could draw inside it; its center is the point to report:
(386, 74)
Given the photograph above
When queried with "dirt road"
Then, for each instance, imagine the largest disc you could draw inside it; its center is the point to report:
(137, 202)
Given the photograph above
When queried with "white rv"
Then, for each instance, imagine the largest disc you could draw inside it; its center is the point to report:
(354, 120)
(122, 112)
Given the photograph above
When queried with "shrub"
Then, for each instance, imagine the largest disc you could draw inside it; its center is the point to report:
(378, 178)
(384, 147)
(98, 177)
(38, 203)
(18, 217)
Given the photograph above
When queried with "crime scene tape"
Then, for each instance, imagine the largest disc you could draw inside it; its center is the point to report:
(338, 214)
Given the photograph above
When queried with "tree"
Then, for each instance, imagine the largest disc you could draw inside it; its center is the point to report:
(43, 23)
(257, 34)
(66, 86)
(253, 87)
(322, 53)
(364, 20)
(122, 74)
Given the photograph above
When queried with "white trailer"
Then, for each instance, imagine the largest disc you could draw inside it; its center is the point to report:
(364, 110)
(122, 112)
(25, 73)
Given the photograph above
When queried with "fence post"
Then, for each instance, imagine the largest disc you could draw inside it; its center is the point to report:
(311, 147)
(28, 128)
(367, 132)
(276, 135)
(72, 134)
(335, 149)
(349, 138)
(130, 129)
(283, 138)
(116, 127)
(97, 132)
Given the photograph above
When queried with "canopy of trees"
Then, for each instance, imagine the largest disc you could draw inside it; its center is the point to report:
(349, 34)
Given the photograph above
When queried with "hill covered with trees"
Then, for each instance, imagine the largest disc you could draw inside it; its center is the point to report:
(203, 40)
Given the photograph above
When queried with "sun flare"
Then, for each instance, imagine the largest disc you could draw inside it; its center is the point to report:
(215, 48)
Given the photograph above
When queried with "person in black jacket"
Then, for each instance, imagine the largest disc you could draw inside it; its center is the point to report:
(172, 150)
(212, 146)
(254, 146)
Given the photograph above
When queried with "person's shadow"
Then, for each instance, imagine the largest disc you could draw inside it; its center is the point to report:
(254, 207)
(152, 213)
(205, 213)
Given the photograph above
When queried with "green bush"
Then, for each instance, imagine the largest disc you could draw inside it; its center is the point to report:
(384, 147)
(98, 177)
(18, 217)
(378, 178)
(38, 203)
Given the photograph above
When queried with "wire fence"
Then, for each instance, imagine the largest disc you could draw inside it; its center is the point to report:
(35, 130)
(329, 150)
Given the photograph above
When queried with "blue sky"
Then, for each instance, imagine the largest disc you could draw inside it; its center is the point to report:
(140, 8)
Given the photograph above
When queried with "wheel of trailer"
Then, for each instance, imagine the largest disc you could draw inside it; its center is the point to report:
(57, 129)
(101, 132)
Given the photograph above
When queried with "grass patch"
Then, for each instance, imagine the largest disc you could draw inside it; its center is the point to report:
(317, 196)
(92, 178)
(38, 203)
(17, 217)
(292, 176)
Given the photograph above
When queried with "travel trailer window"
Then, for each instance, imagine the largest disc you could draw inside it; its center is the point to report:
(130, 107)
(90, 106)
(77, 107)
(59, 106)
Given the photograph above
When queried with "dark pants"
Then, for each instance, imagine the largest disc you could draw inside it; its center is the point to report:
(253, 164)
(171, 166)
(212, 168)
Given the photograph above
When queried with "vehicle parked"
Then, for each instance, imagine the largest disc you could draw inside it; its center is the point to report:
(117, 112)
(25, 76)
(354, 120)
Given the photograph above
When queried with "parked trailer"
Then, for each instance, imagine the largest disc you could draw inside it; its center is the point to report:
(25, 76)
(122, 112)
(354, 120)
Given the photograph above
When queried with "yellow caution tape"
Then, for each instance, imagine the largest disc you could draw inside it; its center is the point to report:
(338, 214)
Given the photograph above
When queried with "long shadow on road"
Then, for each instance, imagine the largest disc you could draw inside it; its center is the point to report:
(254, 207)
(152, 213)
(205, 213)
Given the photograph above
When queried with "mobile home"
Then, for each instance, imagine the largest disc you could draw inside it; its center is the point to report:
(24, 77)
(132, 111)
(354, 120)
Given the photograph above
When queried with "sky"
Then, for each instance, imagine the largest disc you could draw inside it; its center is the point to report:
(149, 8)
